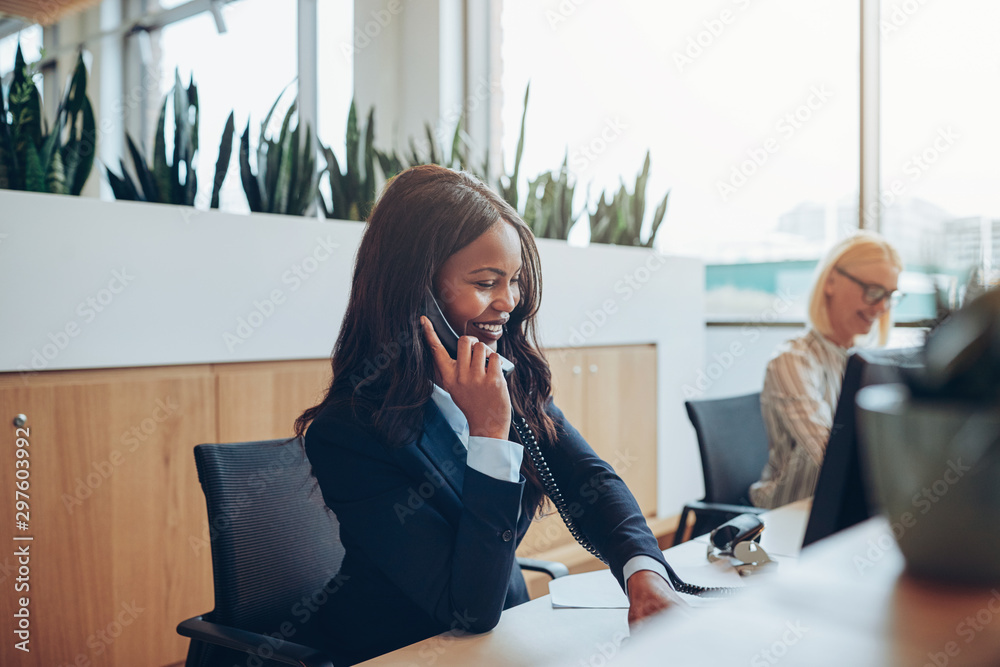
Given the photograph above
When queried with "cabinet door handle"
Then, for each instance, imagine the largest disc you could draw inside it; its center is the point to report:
(577, 370)
(593, 368)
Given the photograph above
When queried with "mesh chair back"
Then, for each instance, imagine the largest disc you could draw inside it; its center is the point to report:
(274, 542)
(733, 444)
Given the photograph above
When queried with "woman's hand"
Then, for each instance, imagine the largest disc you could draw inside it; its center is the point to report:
(649, 594)
(475, 382)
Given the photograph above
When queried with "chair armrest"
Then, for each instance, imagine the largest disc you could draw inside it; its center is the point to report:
(724, 508)
(551, 568)
(287, 652)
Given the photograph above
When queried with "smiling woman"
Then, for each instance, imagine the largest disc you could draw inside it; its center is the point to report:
(425, 558)
(855, 289)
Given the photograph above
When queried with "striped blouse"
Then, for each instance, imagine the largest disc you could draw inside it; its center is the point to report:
(798, 402)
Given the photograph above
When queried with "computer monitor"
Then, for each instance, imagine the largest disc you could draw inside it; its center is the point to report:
(842, 498)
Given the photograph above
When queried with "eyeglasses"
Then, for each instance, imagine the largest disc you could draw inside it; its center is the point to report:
(873, 294)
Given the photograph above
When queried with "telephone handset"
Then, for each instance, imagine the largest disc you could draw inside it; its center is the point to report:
(447, 335)
(449, 339)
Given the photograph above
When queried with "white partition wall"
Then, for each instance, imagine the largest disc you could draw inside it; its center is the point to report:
(91, 284)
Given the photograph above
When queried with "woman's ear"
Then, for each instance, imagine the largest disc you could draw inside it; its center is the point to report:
(828, 287)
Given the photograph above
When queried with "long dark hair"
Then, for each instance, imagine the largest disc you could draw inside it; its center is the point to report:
(382, 368)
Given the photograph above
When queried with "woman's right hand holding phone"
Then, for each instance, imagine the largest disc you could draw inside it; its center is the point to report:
(475, 381)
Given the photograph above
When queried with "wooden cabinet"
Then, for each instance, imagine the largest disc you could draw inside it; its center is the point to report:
(116, 513)
(121, 549)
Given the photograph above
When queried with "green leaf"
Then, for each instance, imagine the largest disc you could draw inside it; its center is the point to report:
(78, 153)
(55, 177)
(144, 177)
(415, 158)
(367, 193)
(162, 170)
(287, 171)
(308, 177)
(389, 163)
(338, 198)
(432, 145)
(26, 103)
(222, 164)
(191, 186)
(519, 152)
(121, 187)
(192, 109)
(76, 94)
(250, 185)
(34, 175)
(278, 156)
(353, 141)
(658, 216)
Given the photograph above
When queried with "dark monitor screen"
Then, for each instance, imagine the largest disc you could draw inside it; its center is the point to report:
(842, 498)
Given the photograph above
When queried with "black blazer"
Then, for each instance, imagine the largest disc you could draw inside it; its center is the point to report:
(430, 542)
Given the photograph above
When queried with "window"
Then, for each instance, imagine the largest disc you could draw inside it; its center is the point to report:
(749, 110)
(335, 70)
(938, 139)
(242, 70)
(31, 44)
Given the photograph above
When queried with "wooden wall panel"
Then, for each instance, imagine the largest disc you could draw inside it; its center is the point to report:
(115, 503)
(621, 415)
(261, 401)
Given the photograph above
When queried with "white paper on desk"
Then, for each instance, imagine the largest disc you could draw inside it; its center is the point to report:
(590, 590)
(600, 590)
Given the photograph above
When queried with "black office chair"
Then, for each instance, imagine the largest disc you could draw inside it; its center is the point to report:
(733, 445)
(274, 543)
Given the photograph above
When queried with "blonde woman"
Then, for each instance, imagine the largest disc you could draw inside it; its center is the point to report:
(855, 289)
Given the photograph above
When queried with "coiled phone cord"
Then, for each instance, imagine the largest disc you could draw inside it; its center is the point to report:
(527, 438)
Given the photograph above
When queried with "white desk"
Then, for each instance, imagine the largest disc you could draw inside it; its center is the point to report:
(848, 602)
(536, 635)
